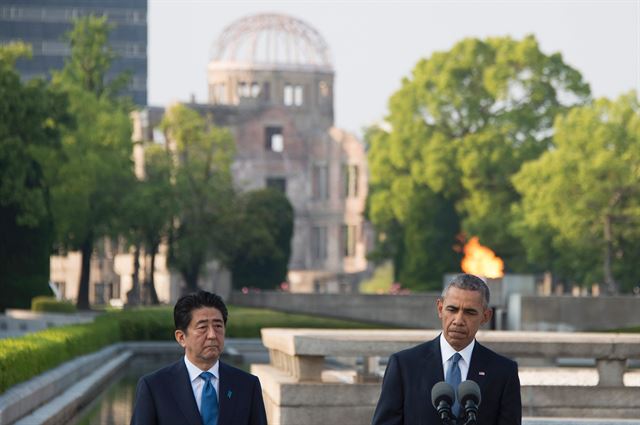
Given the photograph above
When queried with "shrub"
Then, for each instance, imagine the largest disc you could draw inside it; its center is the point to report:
(245, 322)
(25, 357)
(142, 324)
(35, 353)
(51, 305)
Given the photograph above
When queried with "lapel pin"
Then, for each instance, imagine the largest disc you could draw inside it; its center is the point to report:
(229, 394)
(481, 373)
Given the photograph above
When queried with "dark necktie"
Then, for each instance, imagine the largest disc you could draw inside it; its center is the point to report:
(209, 402)
(453, 378)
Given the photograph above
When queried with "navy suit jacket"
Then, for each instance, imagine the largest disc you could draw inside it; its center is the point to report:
(411, 374)
(165, 397)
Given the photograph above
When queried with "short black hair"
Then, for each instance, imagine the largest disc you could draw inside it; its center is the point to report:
(187, 303)
(470, 283)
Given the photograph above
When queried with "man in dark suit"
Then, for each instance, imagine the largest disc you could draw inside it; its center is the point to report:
(412, 373)
(199, 389)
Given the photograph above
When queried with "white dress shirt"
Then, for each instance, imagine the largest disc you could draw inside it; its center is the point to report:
(197, 383)
(448, 351)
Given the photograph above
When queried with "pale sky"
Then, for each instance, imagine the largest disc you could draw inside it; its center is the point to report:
(374, 44)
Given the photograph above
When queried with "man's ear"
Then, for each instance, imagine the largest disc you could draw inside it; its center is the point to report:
(486, 315)
(440, 306)
(180, 335)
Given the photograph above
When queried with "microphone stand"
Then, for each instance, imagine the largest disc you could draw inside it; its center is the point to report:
(444, 413)
(471, 412)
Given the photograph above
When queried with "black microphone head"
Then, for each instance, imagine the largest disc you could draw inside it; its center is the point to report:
(469, 390)
(442, 392)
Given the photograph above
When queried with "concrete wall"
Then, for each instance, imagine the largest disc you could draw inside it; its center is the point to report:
(413, 311)
(568, 313)
(533, 313)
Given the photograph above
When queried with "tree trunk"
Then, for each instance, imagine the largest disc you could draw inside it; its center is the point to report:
(190, 276)
(609, 280)
(86, 250)
(150, 281)
(133, 296)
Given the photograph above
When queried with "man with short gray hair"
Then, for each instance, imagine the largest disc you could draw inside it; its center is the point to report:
(454, 356)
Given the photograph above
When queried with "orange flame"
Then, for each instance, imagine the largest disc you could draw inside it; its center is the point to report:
(481, 261)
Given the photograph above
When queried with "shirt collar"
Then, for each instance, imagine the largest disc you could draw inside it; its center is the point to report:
(447, 350)
(195, 371)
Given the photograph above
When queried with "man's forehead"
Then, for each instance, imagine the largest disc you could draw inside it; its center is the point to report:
(206, 314)
(455, 296)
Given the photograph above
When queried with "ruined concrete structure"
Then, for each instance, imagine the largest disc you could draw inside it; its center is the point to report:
(271, 82)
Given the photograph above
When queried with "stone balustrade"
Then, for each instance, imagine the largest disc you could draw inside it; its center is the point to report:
(298, 384)
(302, 352)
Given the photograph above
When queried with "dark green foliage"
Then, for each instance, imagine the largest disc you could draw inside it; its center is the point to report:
(203, 191)
(461, 125)
(33, 354)
(144, 324)
(51, 305)
(429, 246)
(149, 208)
(88, 186)
(24, 260)
(264, 245)
(580, 200)
(30, 119)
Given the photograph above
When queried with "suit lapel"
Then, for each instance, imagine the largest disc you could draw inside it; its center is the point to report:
(183, 394)
(228, 395)
(431, 364)
(478, 367)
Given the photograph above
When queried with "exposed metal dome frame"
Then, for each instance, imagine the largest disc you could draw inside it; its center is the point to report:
(271, 40)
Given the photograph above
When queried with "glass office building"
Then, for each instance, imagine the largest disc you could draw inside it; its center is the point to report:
(43, 23)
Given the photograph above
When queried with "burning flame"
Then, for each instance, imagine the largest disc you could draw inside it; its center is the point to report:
(481, 261)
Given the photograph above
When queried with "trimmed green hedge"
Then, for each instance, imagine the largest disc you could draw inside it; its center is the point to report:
(25, 357)
(51, 305)
(28, 356)
(245, 322)
(142, 324)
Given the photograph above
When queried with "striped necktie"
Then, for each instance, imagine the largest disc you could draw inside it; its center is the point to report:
(209, 402)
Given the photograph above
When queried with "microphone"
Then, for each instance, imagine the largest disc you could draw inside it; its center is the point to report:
(442, 396)
(469, 396)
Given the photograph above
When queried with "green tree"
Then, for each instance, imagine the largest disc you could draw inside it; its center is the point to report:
(150, 207)
(461, 125)
(31, 116)
(263, 237)
(582, 199)
(97, 169)
(204, 194)
(430, 251)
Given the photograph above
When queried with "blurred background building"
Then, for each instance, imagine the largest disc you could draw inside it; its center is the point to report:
(43, 23)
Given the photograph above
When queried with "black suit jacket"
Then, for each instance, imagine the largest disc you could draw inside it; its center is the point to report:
(411, 374)
(165, 397)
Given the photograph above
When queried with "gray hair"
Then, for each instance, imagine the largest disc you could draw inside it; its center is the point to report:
(469, 282)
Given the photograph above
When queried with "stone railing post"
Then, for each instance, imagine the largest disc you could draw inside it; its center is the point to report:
(369, 372)
(307, 368)
(302, 368)
(611, 372)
